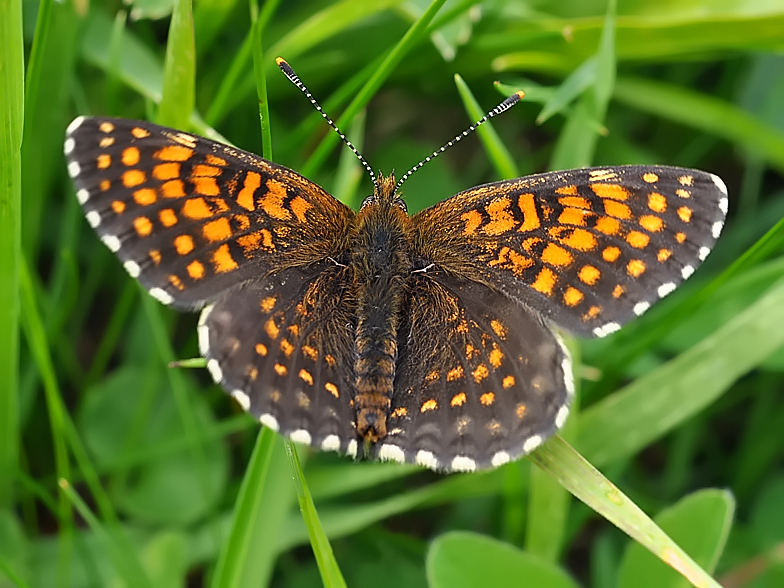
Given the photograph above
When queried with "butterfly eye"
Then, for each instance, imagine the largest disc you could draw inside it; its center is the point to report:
(368, 201)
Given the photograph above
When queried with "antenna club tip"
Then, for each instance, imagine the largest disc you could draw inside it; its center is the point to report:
(280, 61)
(520, 94)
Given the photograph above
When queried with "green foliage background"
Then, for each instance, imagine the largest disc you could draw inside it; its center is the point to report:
(116, 470)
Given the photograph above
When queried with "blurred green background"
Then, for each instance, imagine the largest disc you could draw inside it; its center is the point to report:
(683, 409)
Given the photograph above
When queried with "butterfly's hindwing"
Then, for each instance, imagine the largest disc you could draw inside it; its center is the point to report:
(480, 380)
(283, 347)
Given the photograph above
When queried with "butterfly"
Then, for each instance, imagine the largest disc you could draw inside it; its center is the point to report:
(426, 339)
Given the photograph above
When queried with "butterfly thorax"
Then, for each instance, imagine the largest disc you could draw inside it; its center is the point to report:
(381, 263)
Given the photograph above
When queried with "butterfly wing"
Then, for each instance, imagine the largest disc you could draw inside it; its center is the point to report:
(190, 217)
(479, 382)
(283, 347)
(589, 249)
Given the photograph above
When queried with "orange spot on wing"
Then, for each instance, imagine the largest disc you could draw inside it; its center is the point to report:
(458, 399)
(106, 127)
(607, 225)
(118, 206)
(130, 156)
(176, 282)
(249, 186)
(139, 132)
(173, 189)
(429, 405)
(332, 389)
(205, 186)
(612, 191)
(183, 244)
(105, 185)
(684, 212)
(657, 202)
(663, 255)
(106, 142)
(166, 171)
(570, 190)
(174, 153)
(498, 328)
(214, 160)
(196, 269)
(680, 237)
(555, 255)
(635, 268)
(686, 180)
(267, 304)
(142, 225)
(617, 209)
(104, 161)
(574, 216)
(650, 177)
(281, 369)
(261, 349)
(527, 206)
(155, 255)
(217, 230)
(611, 253)
(306, 377)
(501, 219)
(650, 223)
(167, 217)
(575, 202)
(455, 374)
(272, 202)
(637, 239)
(472, 220)
(496, 356)
(196, 208)
(589, 274)
(545, 281)
(133, 177)
(618, 291)
(222, 260)
(271, 329)
(145, 196)
(299, 206)
(572, 296)
(487, 398)
(581, 240)
(480, 373)
(205, 170)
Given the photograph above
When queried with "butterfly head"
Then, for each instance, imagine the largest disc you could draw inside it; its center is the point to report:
(384, 193)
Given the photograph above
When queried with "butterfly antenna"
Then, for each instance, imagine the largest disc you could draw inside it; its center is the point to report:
(503, 107)
(294, 79)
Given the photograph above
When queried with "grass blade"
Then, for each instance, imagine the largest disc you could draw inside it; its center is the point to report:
(179, 72)
(328, 567)
(12, 115)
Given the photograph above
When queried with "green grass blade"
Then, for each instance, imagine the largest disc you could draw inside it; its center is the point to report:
(413, 35)
(643, 411)
(263, 504)
(326, 23)
(49, 72)
(328, 567)
(12, 115)
(179, 72)
(35, 333)
(706, 113)
(499, 155)
(588, 485)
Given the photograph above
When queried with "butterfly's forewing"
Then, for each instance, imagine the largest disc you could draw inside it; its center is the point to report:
(590, 248)
(190, 217)
(283, 347)
(479, 380)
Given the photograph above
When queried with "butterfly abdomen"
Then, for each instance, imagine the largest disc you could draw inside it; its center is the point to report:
(381, 266)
